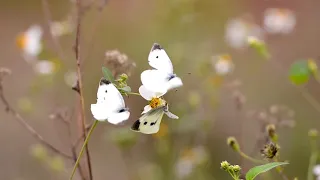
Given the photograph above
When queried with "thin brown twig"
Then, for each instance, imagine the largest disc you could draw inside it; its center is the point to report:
(27, 126)
(78, 61)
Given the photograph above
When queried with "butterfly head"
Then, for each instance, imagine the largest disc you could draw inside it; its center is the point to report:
(104, 81)
(156, 46)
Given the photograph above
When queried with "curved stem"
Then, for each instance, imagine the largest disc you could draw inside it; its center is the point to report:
(82, 149)
(137, 94)
(245, 156)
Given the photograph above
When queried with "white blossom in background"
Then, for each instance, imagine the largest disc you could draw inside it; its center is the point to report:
(184, 168)
(222, 65)
(239, 29)
(30, 41)
(189, 160)
(60, 28)
(44, 67)
(70, 78)
(316, 171)
(278, 20)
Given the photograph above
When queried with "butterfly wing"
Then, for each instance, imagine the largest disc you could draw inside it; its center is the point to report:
(110, 104)
(158, 81)
(159, 59)
(149, 123)
(155, 80)
(174, 82)
(118, 117)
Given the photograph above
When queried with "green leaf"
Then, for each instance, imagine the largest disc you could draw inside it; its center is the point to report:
(107, 74)
(299, 72)
(126, 89)
(255, 171)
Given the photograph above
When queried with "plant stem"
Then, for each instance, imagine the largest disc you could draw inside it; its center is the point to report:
(82, 149)
(245, 156)
(78, 61)
(313, 159)
(137, 94)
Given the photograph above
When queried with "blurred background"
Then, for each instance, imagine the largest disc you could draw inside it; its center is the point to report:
(230, 88)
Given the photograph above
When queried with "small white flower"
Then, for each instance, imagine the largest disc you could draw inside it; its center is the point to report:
(30, 41)
(316, 170)
(200, 154)
(60, 28)
(239, 29)
(184, 168)
(70, 78)
(222, 65)
(44, 67)
(278, 20)
(154, 98)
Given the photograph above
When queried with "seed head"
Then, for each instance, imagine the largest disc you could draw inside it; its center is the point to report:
(118, 62)
(270, 150)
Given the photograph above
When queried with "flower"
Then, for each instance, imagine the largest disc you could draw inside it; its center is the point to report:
(44, 67)
(184, 168)
(154, 98)
(60, 28)
(30, 41)
(239, 29)
(223, 64)
(316, 170)
(189, 159)
(277, 20)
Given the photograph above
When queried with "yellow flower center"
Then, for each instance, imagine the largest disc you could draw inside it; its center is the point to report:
(155, 102)
(283, 13)
(21, 41)
(225, 57)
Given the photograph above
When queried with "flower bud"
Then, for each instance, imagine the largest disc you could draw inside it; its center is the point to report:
(271, 130)
(233, 143)
(236, 168)
(225, 165)
(259, 46)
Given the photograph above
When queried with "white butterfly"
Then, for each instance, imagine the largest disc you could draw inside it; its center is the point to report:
(162, 77)
(149, 123)
(110, 105)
